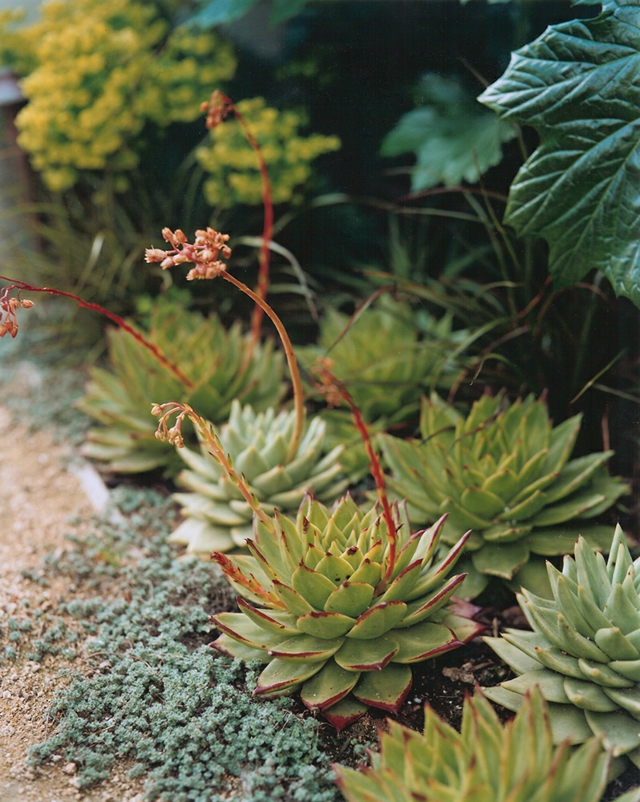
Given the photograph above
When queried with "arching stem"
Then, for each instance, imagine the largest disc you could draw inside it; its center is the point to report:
(296, 381)
(120, 322)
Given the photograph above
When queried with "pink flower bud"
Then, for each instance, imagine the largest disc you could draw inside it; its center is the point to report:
(154, 255)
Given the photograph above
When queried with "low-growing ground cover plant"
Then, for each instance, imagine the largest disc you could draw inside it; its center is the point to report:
(503, 471)
(218, 365)
(583, 651)
(485, 762)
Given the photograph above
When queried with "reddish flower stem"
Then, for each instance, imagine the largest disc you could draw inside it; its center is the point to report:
(267, 231)
(331, 386)
(120, 322)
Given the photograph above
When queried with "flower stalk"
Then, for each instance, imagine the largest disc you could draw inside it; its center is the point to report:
(173, 435)
(335, 392)
(10, 326)
(204, 254)
(217, 108)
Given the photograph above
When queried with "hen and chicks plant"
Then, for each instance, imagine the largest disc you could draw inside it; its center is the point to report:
(217, 365)
(217, 516)
(505, 472)
(485, 762)
(386, 374)
(340, 606)
(584, 649)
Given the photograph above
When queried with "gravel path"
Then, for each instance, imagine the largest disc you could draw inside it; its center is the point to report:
(41, 500)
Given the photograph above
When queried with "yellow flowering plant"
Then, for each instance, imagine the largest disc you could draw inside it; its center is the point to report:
(95, 73)
(233, 167)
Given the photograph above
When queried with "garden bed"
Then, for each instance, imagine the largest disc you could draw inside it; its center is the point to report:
(108, 690)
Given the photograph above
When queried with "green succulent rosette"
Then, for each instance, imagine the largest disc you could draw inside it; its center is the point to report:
(208, 355)
(485, 762)
(584, 650)
(217, 516)
(340, 610)
(386, 361)
(505, 472)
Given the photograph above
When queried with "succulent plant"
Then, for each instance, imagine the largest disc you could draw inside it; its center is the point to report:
(340, 608)
(485, 762)
(208, 355)
(217, 516)
(385, 365)
(504, 472)
(584, 650)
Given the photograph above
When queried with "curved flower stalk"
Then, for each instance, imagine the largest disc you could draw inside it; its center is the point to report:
(386, 375)
(505, 472)
(485, 762)
(217, 516)
(211, 360)
(584, 651)
(339, 607)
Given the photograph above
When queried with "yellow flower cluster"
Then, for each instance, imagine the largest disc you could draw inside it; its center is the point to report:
(96, 72)
(233, 165)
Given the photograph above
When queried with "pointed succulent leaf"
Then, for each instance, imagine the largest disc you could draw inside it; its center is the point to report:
(378, 619)
(422, 641)
(367, 655)
(585, 637)
(331, 684)
(386, 689)
(486, 762)
(285, 676)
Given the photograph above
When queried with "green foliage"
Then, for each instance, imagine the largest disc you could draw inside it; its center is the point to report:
(584, 651)
(207, 354)
(486, 762)
(164, 702)
(217, 516)
(575, 85)
(452, 138)
(382, 359)
(345, 607)
(96, 73)
(385, 375)
(218, 12)
(504, 472)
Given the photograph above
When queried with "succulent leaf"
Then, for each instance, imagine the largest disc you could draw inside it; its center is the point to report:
(583, 652)
(209, 356)
(253, 441)
(326, 603)
(485, 762)
(386, 375)
(505, 472)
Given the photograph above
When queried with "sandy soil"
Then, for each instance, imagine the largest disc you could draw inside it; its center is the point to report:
(40, 501)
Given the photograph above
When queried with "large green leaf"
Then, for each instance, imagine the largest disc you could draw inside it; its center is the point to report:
(453, 140)
(580, 190)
